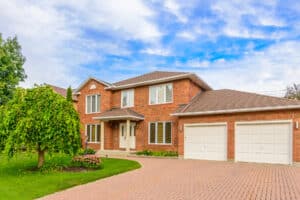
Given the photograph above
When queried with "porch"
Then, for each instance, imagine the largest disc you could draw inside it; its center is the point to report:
(122, 121)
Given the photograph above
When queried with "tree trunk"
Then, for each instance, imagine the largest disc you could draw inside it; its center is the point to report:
(41, 158)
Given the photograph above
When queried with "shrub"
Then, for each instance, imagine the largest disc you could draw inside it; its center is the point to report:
(158, 153)
(87, 161)
(87, 151)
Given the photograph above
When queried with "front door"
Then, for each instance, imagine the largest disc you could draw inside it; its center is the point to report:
(123, 135)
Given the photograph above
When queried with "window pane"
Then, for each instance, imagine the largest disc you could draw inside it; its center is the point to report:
(169, 91)
(130, 98)
(160, 132)
(152, 133)
(98, 133)
(88, 104)
(93, 133)
(98, 104)
(152, 95)
(93, 103)
(168, 132)
(161, 94)
(88, 132)
(124, 99)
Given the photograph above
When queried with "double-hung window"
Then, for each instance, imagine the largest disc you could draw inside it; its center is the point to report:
(159, 94)
(92, 104)
(93, 133)
(127, 98)
(160, 133)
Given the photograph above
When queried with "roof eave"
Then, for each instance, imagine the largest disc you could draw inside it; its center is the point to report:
(156, 81)
(257, 109)
(120, 117)
(87, 80)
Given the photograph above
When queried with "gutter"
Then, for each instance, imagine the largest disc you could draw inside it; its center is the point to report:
(237, 110)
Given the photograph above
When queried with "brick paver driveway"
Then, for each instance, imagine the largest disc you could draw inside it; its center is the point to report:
(163, 179)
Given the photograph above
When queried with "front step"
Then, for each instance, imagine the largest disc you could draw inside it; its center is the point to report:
(113, 153)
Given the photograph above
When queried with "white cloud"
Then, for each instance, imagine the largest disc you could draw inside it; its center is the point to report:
(174, 7)
(53, 40)
(157, 51)
(188, 35)
(271, 69)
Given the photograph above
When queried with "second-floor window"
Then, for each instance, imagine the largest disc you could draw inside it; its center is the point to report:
(159, 94)
(92, 104)
(127, 98)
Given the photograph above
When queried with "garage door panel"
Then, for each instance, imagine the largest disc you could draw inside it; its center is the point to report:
(268, 142)
(205, 142)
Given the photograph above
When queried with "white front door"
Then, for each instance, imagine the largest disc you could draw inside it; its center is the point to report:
(205, 141)
(264, 142)
(122, 137)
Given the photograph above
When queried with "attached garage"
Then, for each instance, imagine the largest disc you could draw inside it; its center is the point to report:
(205, 141)
(264, 142)
(259, 128)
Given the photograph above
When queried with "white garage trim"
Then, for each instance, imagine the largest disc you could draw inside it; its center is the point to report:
(290, 122)
(207, 125)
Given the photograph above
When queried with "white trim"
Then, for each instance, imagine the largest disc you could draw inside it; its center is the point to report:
(96, 130)
(290, 122)
(264, 122)
(225, 124)
(87, 80)
(156, 94)
(113, 87)
(122, 92)
(237, 110)
(164, 122)
(97, 99)
(120, 117)
(205, 124)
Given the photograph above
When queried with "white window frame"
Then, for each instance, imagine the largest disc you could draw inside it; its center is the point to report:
(126, 91)
(164, 133)
(97, 99)
(156, 94)
(96, 129)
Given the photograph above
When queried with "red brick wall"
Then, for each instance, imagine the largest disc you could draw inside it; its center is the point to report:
(232, 118)
(106, 101)
(183, 91)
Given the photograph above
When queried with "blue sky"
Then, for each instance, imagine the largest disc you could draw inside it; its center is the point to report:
(245, 45)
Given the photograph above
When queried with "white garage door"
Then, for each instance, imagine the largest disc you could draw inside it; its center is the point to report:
(263, 142)
(205, 141)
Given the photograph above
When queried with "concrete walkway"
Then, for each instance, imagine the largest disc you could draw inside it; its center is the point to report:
(163, 179)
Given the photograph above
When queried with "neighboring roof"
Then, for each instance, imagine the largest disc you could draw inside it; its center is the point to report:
(91, 78)
(119, 114)
(62, 91)
(158, 77)
(231, 101)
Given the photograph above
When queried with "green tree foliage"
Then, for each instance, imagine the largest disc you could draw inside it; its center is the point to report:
(293, 92)
(69, 94)
(40, 120)
(11, 67)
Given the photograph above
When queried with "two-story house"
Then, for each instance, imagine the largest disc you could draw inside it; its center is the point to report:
(178, 111)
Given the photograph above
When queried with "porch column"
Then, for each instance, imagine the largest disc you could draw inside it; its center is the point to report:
(128, 135)
(102, 136)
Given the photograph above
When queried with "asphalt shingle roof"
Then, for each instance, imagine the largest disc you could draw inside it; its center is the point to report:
(226, 100)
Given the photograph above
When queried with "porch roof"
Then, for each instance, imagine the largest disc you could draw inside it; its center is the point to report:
(119, 114)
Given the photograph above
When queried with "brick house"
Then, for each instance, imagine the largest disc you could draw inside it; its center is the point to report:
(178, 111)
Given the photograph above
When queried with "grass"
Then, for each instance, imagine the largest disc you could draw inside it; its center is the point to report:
(158, 153)
(18, 182)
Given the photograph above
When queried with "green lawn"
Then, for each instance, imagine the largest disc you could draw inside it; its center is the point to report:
(18, 182)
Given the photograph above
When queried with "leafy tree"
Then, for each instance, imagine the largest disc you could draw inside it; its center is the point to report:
(42, 121)
(11, 67)
(293, 92)
(69, 94)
